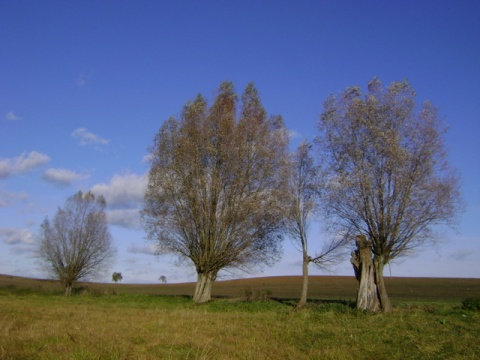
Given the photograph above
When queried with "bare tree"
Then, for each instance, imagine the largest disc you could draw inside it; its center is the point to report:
(216, 185)
(116, 277)
(390, 181)
(77, 245)
(306, 185)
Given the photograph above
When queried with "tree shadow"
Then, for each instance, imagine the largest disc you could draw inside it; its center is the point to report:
(292, 302)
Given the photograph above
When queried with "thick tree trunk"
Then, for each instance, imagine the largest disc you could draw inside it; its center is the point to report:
(68, 289)
(367, 295)
(385, 303)
(203, 289)
(303, 296)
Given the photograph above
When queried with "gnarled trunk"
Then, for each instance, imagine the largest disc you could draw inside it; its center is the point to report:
(367, 295)
(303, 296)
(385, 303)
(203, 289)
(372, 294)
(68, 289)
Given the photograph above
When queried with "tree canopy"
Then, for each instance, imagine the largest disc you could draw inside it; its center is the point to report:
(77, 244)
(390, 181)
(117, 276)
(216, 185)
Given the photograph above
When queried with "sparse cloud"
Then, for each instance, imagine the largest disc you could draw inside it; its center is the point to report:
(62, 177)
(81, 80)
(22, 164)
(145, 249)
(21, 242)
(23, 250)
(461, 254)
(15, 236)
(85, 137)
(8, 198)
(293, 134)
(84, 78)
(147, 158)
(126, 218)
(11, 116)
(123, 191)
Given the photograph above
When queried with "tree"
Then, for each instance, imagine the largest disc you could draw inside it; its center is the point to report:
(390, 182)
(116, 277)
(216, 185)
(77, 245)
(163, 279)
(306, 185)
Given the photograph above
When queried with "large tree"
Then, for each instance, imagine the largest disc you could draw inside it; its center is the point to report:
(77, 244)
(307, 182)
(390, 182)
(216, 185)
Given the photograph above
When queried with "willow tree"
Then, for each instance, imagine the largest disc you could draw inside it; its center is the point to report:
(216, 185)
(390, 182)
(77, 244)
(307, 183)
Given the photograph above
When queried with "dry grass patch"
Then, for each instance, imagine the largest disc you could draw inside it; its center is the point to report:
(427, 323)
(153, 327)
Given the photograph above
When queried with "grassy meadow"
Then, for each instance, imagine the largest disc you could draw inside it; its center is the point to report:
(248, 319)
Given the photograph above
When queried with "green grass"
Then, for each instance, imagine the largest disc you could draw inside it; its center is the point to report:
(428, 322)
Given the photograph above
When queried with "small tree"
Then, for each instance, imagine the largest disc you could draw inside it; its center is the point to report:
(217, 184)
(116, 277)
(77, 244)
(390, 182)
(163, 279)
(306, 185)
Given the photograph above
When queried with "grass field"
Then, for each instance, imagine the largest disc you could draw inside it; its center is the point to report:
(148, 322)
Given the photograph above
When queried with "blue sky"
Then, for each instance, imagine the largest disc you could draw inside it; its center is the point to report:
(85, 85)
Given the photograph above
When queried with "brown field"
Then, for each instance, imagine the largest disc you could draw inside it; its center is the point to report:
(283, 287)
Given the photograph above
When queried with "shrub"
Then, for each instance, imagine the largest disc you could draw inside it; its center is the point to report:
(259, 295)
(472, 303)
(264, 295)
(248, 294)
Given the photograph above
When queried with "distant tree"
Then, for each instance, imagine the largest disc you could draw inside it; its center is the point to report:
(306, 185)
(216, 185)
(163, 279)
(117, 276)
(77, 245)
(390, 182)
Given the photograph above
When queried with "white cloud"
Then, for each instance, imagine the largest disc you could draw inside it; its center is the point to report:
(11, 116)
(14, 236)
(22, 164)
(123, 191)
(62, 177)
(127, 218)
(85, 137)
(8, 198)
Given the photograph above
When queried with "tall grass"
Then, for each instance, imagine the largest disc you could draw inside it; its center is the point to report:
(47, 326)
